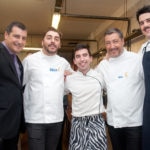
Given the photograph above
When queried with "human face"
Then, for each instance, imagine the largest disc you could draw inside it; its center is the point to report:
(51, 43)
(144, 22)
(16, 39)
(114, 45)
(83, 60)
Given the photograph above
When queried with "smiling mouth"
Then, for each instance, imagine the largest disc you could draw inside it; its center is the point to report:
(51, 46)
(147, 29)
(19, 47)
(113, 50)
(82, 64)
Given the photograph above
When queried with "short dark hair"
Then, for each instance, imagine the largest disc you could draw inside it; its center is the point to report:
(81, 46)
(15, 24)
(114, 30)
(143, 10)
(55, 30)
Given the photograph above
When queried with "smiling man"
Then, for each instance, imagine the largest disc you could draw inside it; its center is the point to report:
(87, 127)
(44, 91)
(124, 79)
(143, 18)
(11, 89)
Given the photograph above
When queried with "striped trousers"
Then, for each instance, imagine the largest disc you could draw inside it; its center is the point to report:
(88, 133)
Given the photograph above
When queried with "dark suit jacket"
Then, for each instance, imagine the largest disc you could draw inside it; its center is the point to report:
(11, 96)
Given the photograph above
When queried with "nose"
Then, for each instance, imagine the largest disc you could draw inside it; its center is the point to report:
(20, 40)
(112, 45)
(145, 24)
(81, 58)
(52, 40)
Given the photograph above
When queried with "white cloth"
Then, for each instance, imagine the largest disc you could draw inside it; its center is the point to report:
(44, 90)
(147, 45)
(124, 80)
(86, 93)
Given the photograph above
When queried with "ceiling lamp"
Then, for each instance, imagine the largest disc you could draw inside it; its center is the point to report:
(56, 19)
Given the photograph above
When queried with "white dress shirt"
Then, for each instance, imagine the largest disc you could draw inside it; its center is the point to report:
(125, 89)
(145, 45)
(44, 90)
(86, 93)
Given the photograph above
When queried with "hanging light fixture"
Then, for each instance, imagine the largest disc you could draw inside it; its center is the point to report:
(57, 15)
(56, 19)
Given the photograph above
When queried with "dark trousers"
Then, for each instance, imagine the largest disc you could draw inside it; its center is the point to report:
(59, 147)
(128, 138)
(9, 144)
(44, 136)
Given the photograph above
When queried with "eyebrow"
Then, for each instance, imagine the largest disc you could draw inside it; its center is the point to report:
(144, 20)
(49, 35)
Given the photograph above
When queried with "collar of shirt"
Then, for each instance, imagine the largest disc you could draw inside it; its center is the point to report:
(146, 46)
(88, 73)
(10, 52)
(119, 57)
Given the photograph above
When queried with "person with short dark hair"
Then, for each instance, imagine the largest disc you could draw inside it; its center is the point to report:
(44, 91)
(11, 89)
(124, 79)
(143, 18)
(87, 125)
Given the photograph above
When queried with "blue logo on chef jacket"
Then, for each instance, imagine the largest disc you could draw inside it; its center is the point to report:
(123, 76)
(54, 69)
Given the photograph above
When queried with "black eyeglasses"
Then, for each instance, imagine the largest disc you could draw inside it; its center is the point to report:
(147, 46)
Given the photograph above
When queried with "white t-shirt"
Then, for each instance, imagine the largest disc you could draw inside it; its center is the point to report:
(124, 80)
(44, 90)
(145, 45)
(86, 93)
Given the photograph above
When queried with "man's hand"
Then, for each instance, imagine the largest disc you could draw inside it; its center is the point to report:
(66, 73)
(104, 115)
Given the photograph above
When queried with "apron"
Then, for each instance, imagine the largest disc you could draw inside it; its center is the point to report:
(88, 133)
(146, 109)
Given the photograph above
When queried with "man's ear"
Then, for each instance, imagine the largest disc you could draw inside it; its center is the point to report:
(60, 44)
(123, 42)
(42, 43)
(5, 35)
(74, 61)
(91, 58)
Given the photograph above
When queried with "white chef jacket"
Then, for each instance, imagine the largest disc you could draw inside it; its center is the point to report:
(146, 44)
(125, 89)
(86, 93)
(44, 90)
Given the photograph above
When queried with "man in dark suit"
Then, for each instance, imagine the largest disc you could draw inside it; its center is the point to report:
(11, 89)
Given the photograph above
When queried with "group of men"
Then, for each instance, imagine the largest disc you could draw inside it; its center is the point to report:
(124, 75)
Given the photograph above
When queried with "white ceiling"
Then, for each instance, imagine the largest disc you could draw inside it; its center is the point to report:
(37, 15)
